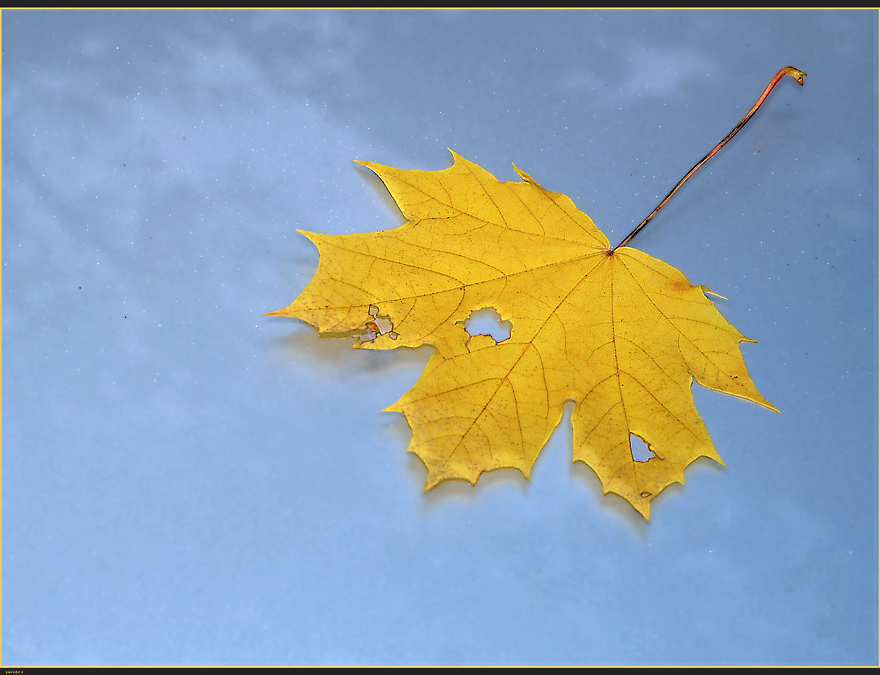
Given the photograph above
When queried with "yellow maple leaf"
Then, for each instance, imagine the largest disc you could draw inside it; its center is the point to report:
(618, 332)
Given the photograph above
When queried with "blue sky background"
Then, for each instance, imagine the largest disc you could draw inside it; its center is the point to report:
(186, 481)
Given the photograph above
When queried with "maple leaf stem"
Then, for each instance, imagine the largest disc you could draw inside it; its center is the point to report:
(788, 70)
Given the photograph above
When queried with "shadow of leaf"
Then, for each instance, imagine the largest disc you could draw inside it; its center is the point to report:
(336, 353)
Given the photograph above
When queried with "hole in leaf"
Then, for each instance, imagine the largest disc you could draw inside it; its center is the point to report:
(640, 450)
(487, 321)
(380, 325)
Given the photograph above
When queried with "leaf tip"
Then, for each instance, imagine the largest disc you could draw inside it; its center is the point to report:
(312, 236)
(709, 291)
(644, 505)
(455, 156)
(760, 400)
(284, 311)
(526, 177)
(372, 166)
